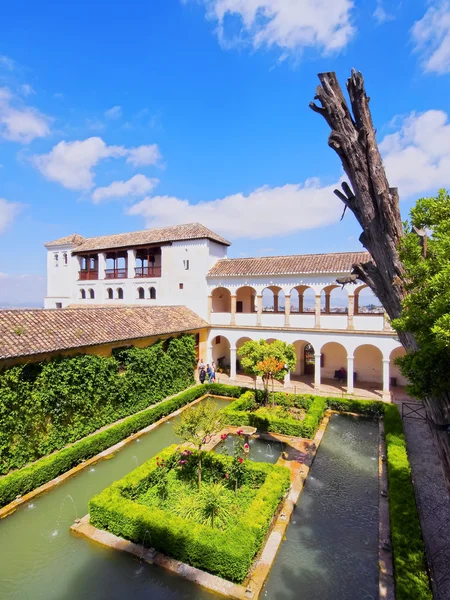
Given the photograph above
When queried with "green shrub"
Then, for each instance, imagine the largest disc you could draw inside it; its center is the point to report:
(361, 407)
(410, 570)
(45, 406)
(24, 480)
(227, 553)
(240, 413)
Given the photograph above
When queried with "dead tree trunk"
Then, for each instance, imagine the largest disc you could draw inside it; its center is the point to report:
(373, 202)
(376, 207)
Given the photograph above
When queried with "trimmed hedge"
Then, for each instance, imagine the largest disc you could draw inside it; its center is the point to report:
(239, 413)
(46, 405)
(410, 566)
(227, 553)
(24, 480)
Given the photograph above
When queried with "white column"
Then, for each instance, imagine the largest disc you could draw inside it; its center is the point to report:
(131, 263)
(101, 265)
(351, 311)
(287, 309)
(259, 309)
(317, 321)
(317, 362)
(233, 310)
(287, 379)
(209, 307)
(209, 355)
(350, 362)
(386, 392)
(232, 364)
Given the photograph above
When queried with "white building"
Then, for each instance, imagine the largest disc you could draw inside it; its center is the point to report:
(188, 265)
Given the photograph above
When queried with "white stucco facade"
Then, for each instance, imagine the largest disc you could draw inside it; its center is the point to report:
(300, 312)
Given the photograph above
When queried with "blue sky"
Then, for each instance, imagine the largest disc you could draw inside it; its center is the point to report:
(121, 116)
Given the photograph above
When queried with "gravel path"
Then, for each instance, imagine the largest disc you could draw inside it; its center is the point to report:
(432, 501)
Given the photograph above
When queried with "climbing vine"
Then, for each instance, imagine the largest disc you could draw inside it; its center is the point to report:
(46, 405)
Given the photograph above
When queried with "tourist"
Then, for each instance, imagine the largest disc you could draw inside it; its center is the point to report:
(211, 374)
(202, 376)
(201, 365)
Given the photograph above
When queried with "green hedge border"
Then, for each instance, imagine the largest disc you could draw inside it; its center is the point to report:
(227, 553)
(411, 575)
(18, 483)
(315, 405)
(410, 565)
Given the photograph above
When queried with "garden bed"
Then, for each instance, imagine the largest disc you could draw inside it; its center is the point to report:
(175, 518)
(287, 414)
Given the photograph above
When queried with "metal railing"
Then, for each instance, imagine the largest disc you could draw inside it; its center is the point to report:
(116, 273)
(147, 271)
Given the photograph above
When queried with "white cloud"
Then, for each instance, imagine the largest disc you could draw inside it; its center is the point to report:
(20, 123)
(144, 155)
(291, 25)
(7, 62)
(139, 185)
(27, 89)
(431, 36)
(381, 15)
(113, 113)
(417, 157)
(71, 163)
(265, 212)
(8, 211)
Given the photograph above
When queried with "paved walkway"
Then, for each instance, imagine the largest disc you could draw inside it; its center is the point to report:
(305, 385)
(432, 499)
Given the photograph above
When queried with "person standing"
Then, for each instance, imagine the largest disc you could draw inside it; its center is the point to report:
(202, 376)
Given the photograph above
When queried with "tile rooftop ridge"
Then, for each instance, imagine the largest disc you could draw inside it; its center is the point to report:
(292, 255)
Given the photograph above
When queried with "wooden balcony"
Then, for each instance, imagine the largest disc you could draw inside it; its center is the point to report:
(87, 275)
(147, 272)
(116, 273)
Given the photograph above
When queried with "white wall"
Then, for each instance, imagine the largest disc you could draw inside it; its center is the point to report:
(61, 279)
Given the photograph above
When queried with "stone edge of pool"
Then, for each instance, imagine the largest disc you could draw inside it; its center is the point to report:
(264, 560)
(12, 506)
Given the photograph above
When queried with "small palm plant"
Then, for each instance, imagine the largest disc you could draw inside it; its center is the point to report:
(215, 504)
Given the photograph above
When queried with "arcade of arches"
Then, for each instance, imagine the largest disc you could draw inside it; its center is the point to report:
(301, 299)
(366, 365)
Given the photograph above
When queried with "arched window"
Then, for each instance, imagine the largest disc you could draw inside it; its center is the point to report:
(109, 293)
(65, 259)
(141, 293)
(120, 293)
(152, 291)
(91, 294)
(56, 259)
(83, 294)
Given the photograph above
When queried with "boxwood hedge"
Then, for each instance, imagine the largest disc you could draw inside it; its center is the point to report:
(239, 413)
(227, 553)
(45, 469)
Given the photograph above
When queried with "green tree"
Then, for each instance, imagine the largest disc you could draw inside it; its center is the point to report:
(268, 361)
(426, 308)
(197, 426)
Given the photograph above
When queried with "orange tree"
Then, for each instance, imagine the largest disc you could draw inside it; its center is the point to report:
(268, 361)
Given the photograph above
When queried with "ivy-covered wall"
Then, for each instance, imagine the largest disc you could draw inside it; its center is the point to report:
(46, 405)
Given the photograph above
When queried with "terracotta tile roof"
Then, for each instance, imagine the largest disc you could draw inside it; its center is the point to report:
(74, 239)
(28, 332)
(176, 233)
(340, 262)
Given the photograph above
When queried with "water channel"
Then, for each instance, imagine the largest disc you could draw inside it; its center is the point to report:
(330, 550)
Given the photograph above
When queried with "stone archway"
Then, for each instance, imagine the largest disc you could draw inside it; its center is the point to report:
(368, 363)
(334, 358)
(221, 353)
(395, 374)
(221, 300)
